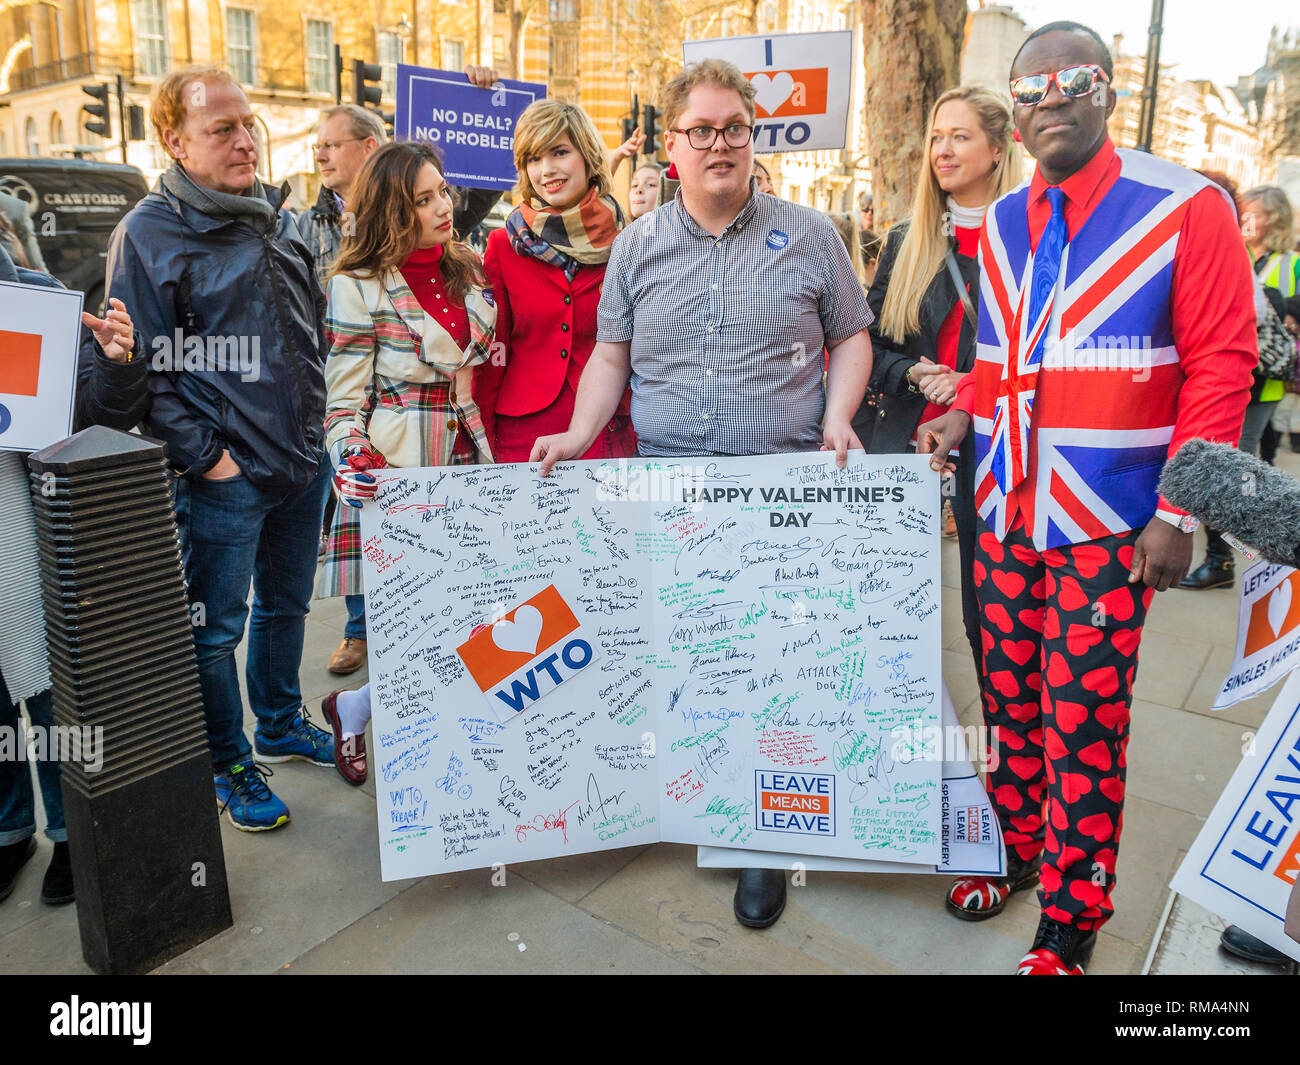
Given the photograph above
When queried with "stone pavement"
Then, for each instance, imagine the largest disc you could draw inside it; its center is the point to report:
(308, 898)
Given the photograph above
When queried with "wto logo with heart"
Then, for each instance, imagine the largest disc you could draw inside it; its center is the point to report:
(789, 92)
(527, 654)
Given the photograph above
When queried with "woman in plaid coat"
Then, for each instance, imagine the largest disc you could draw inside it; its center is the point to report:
(408, 320)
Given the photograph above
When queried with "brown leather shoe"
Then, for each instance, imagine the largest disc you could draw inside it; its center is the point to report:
(349, 754)
(348, 657)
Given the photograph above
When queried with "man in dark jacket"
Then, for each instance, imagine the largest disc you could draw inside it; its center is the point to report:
(226, 302)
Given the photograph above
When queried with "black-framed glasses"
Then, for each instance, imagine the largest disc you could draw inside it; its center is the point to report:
(1072, 81)
(702, 138)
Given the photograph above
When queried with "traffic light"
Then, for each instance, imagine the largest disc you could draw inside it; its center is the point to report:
(650, 119)
(135, 123)
(368, 91)
(102, 127)
(367, 95)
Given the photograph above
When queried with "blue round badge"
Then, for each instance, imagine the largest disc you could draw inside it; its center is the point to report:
(776, 240)
(5, 418)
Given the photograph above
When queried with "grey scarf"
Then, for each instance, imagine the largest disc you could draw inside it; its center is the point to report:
(254, 207)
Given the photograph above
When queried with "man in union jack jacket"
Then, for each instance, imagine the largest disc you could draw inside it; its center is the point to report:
(1116, 322)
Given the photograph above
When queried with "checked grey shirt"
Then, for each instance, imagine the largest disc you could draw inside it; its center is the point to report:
(727, 333)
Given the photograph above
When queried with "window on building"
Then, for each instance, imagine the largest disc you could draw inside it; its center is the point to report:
(769, 17)
(453, 55)
(564, 56)
(392, 50)
(56, 130)
(564, 10)
(320, 56)
(149, 18)
(33, 138)
(241, 51)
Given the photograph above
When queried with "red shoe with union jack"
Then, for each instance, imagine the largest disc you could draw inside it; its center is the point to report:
(977, 898)
(1059, 950)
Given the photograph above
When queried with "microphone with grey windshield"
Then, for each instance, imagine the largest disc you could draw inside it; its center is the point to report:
(1238, 495)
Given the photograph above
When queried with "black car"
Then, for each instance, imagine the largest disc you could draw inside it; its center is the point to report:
(75, 205)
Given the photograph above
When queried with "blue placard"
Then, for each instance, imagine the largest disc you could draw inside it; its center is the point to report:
(473, 129)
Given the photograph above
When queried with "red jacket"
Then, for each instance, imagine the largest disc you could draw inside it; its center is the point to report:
(547, 329)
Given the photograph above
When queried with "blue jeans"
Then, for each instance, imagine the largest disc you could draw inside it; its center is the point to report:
(233, 532)
(17, 803)
(356, 624)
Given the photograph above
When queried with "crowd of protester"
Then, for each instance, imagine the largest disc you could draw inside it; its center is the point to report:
(588, 332)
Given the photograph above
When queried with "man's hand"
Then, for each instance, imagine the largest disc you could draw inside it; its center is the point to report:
(840, 438)
(114, 332)
(482, 77)
(939, 436)
(1162, 556)
(224, 470)
(548, 450)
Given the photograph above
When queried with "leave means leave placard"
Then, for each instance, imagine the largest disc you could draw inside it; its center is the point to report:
(739, 652)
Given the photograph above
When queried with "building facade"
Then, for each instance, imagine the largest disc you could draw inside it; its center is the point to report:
(597, 53)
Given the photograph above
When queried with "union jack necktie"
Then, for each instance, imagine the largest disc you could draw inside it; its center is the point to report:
(1015, 402)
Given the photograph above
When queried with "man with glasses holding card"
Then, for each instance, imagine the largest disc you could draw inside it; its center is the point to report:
(1116, 322)
(717, 306)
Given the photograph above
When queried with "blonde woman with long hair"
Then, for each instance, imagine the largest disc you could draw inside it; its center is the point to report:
(923, 338)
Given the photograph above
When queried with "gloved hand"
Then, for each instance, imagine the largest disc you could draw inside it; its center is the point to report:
(352, 479)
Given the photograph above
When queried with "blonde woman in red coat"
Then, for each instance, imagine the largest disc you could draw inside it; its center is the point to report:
(545, 269)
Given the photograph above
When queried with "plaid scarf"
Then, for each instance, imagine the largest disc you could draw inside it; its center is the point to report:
(580, 235)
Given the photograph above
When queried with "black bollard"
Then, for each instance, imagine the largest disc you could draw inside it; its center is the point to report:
(143, 835)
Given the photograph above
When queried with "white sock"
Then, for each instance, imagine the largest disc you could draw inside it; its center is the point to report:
(354, 711)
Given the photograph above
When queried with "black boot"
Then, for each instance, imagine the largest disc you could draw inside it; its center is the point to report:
(1241, 943)
(760, 897)
(56, 888)
(1217, 569)
(13, 857)
(1059, 950)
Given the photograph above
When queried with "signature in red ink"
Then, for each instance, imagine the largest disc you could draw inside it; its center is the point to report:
(423, 508)
(547, 823)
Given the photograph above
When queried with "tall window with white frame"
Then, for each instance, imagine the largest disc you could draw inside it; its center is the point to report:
(149, 20)
(453, 55)
(392, 50)
(320, 56)
(32, 137)
(241, 45)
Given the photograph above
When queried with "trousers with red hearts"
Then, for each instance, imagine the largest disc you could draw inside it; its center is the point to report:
(1060, 631)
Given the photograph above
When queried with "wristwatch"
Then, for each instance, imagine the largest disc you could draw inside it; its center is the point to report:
(1182, 522)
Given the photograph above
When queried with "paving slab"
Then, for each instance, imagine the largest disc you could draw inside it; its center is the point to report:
(1179, 759)
(664, 899)
(293, 888)
(462, 924)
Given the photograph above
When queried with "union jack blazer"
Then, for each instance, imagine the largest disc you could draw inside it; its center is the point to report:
(1097, 421)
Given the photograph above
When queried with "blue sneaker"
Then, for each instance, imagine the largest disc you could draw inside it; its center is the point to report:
(243, 796)
(303, 741)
